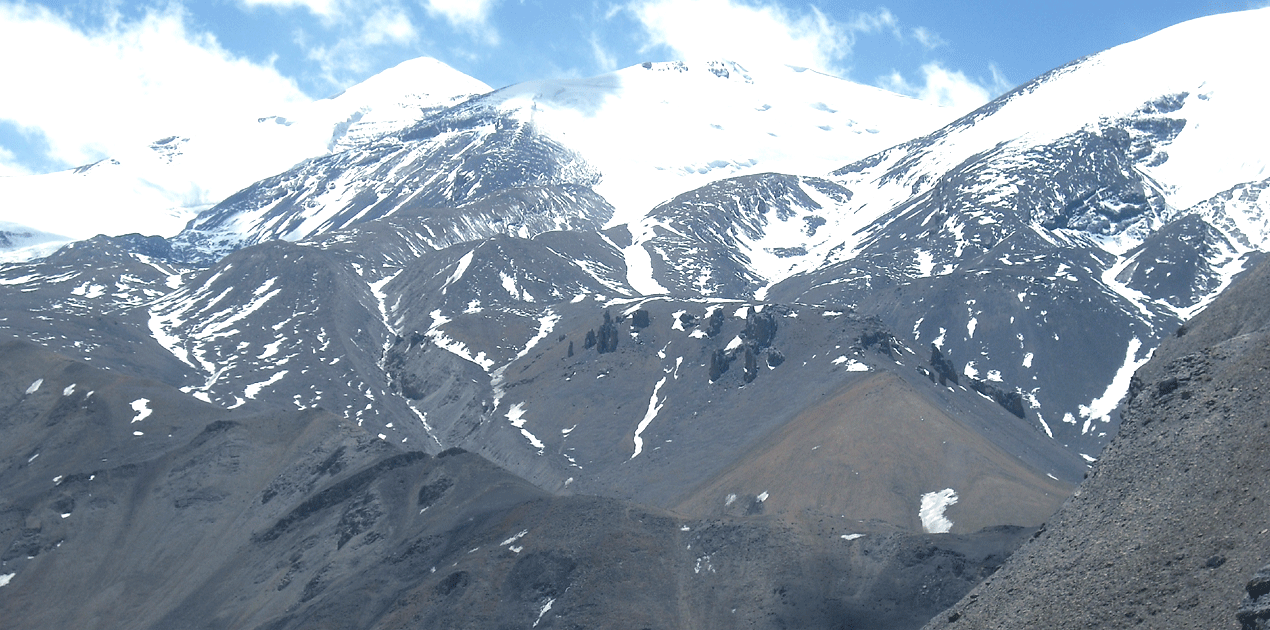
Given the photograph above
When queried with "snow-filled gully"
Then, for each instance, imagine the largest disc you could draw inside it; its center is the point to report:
(653, 408)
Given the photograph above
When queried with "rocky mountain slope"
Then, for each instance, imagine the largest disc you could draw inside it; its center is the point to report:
(1171, 524)
(129, 503)
(640, 399)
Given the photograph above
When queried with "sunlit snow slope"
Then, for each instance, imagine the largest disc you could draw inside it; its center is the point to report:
(1207, 65)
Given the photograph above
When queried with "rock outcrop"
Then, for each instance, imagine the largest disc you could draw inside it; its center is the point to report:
(1254, 614)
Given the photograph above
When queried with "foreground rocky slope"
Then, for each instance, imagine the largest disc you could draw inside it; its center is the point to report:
(1172, 523)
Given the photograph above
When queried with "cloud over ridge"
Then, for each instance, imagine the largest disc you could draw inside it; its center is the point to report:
(94, 92)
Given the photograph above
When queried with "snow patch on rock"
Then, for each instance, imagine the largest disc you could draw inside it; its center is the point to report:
(932, 511)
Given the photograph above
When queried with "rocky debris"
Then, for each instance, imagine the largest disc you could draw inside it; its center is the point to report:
(431, 492)
(756, 339)
(1254, 613)
(1012, 401)
(452, 389)
(875, 334)
(755, 348)
(751, 365)
(720, 360)
(606, 340)
(760, 328)
(942, 366)
(403, 379)
(924, 371)
(339, 493)
(715, 323)
(640, 319)
(1181, 373)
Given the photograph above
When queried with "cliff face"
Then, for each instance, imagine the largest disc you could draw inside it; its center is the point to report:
(1173, 522)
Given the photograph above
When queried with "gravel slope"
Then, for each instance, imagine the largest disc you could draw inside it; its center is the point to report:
(1173, 522)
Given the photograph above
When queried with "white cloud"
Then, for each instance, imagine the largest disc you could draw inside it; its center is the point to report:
(354, 54)
(603, 58)
(883, 20)
(728, 29)
(381, 22)
(9, 166)
(1000, 84)
(949, 88)
(324, 8)
(461, 13)
(94, 94)
(470, 16)
(928, 38)
(388, 26)
(335, 62)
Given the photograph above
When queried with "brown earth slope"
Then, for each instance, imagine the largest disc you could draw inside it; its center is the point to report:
(862, 457)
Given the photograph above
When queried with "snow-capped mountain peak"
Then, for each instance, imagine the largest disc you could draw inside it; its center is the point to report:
(162, 183)
(393, 100)
(635, 137)
(1199, 73)
(658, 129)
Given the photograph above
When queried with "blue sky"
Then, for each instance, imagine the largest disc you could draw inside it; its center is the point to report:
(81, 78)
